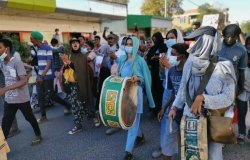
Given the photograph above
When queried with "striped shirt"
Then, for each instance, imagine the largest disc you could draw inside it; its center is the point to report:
(44, 53)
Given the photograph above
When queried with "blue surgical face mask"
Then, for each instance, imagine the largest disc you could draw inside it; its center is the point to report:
(84, 50)
(170, 42)
(3, 56)
(129, 50)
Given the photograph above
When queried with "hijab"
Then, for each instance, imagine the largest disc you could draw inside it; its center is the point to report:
(121, 50)
(84, 76)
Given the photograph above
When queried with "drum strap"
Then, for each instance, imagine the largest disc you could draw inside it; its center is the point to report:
(203, 83)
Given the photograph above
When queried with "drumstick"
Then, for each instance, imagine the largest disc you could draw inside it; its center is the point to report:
(170, 125)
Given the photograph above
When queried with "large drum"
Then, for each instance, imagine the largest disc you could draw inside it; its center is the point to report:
(118, 102)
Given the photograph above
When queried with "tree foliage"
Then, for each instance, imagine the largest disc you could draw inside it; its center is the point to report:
(157, 7)
(21, 47)
(206, 9)
(245, 26)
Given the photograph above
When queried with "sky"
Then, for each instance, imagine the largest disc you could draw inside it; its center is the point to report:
(238, 9)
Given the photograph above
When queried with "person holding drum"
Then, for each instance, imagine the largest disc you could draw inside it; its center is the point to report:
(132, 65)
(219, 91)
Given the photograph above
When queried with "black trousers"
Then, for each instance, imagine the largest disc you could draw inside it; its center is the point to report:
(242, 112)
(10, 113)
(104, 73)
(42, 89)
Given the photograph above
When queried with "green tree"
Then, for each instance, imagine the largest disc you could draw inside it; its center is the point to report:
(206, 9)
(245, 26)
(21, 47)
(157, 7)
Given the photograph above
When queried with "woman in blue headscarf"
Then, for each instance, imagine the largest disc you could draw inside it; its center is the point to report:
(132, 65)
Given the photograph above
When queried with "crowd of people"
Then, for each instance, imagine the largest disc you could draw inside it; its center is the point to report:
(169, 70)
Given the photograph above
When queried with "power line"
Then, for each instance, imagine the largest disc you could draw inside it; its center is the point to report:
(193, 3)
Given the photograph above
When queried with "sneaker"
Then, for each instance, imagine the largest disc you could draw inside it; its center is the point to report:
(248, 134)
(42, 119)
(241, 139)
(139, 141)
(67, 111)
(14, 133)
(75, 130)
(37, 140)
(128, 156)
(97, 120)
(111, 131)
(157, 153)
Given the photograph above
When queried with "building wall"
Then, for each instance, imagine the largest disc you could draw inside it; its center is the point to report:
(25, 25)
(185, 20)
(117, 27)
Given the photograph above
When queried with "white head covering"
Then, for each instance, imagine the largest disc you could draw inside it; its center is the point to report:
(120, 51)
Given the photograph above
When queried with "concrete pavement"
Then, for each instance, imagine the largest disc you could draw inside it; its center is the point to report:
(92, 143)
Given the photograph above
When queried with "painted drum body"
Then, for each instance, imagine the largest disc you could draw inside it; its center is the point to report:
(118, 102)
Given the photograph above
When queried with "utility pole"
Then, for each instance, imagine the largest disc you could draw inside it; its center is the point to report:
(165, 9)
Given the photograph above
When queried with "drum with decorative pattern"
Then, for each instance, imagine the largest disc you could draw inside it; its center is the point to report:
(118, 102)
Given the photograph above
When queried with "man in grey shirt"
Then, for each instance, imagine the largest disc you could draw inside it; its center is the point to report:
(16, 91)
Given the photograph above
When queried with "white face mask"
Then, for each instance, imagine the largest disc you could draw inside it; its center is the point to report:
(3, 56)
(173, 61)
(84, 50)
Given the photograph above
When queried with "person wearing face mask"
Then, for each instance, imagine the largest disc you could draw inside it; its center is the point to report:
(219, 91)
(167, 61)
(16, 91)
(132, 65)
(117, 55)
(154, 65)
(170, 140)
(81, 96)
(234, 52)
(243, 99)
(82, 39)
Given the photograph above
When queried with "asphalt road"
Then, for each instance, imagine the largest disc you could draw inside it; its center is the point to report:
(92, 143)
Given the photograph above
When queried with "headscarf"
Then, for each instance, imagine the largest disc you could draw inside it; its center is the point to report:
(139, 68)
(121, 51)
(159, 43)
(179, 39)
(84, 76)
(206, 47)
